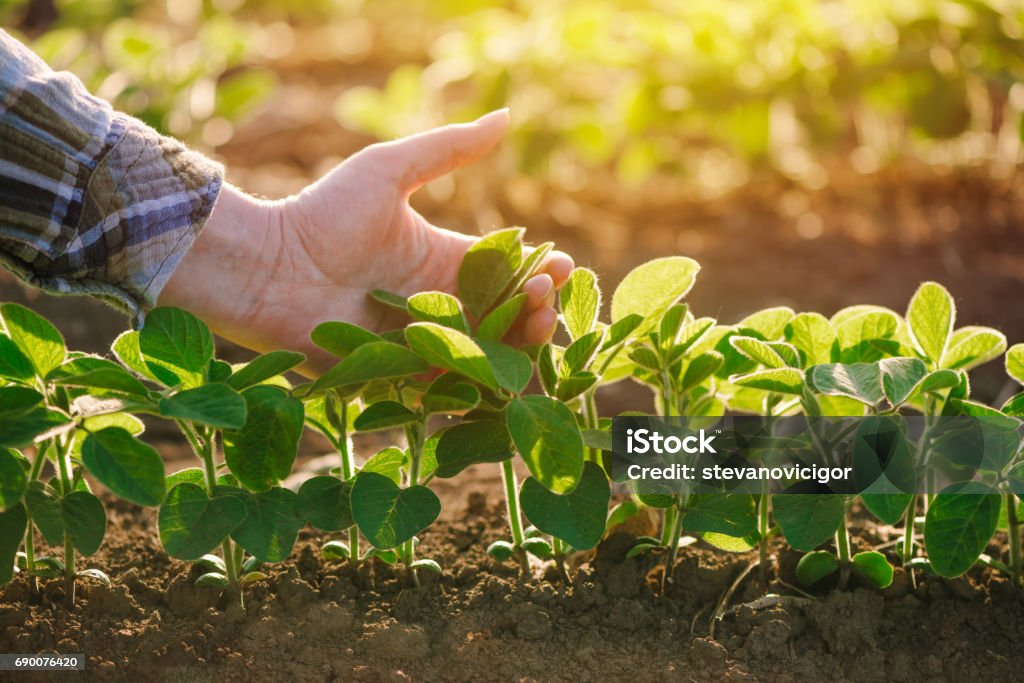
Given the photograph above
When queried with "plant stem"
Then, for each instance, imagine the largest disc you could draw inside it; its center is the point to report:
(515, 519)
(1013, 522)
(908, 530)
(558, 547)
(64, 466)
(763, 510)
(414, 435)
(30, 536)
(843, 546)
(673, 548)
(348, 470)
(206, 445)
(668, 525)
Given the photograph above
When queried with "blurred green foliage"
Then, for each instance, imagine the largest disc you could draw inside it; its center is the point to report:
(184, 66)
(703, 88)
(714, 88)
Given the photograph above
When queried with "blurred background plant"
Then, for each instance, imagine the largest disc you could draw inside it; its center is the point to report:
(705, 90)
(810, 153)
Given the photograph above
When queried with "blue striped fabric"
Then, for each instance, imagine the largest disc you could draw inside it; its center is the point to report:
(91, 201)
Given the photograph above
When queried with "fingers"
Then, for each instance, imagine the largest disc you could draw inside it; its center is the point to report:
(559, 266)
(539, 326)
(418, 159)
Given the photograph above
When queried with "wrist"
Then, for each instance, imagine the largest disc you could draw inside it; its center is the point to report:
(216, 279)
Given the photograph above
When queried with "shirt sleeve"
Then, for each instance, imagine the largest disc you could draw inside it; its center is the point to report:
(92, 201)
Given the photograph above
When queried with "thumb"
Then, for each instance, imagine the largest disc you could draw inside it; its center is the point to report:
(420, 158)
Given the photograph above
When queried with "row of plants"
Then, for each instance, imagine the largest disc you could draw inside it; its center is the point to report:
(462, 397)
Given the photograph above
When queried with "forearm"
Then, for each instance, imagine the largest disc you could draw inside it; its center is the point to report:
(91, 201)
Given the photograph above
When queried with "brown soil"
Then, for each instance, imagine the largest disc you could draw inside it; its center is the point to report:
(480, 622)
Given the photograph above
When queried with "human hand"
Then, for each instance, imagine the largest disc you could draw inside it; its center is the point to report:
(264, 274)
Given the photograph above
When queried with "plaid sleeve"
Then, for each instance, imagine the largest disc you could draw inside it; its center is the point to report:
(91, 201)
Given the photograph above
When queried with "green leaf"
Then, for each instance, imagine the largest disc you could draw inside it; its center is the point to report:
(13, 479)
(212, 580)
(389, 462)
(440, 308)
(808, 519)
(930, 317)
(859, 328)
(547, 437)
(501, 551)
(959, 524)
(336, 550)
(972, 346)
(671, 324)
(126, 349)
(580, 300)
(487, 269)
(1015, 362)
(14, 364)
(447, 394)
(191, 475)
(19, 431)
(580, 354)
(860, 381)
(779, 380)
(426, 563)
(384, 415)
(219, 371)
(873, 566)
(44, 508)
(621, 330)
(372, 361)
(388, 515)
(498, 322)
(35, 336)
(700, 368)
(176, 346)
(85, 520)
(651, 288)
(731, 544)
(511, 367)
(340, 338)
(271, 524)
(1014, 405)
(131, 469)
(13, 523)
(262, 453)
(730, 514)
(887, 507)
(530, 266)
(80, 513)
(192, 524)
(571, 387)
(469, 443)
(215, 405)
(451, 350)
(900, 377)
(106, 375)
(264, 367)
(757, 351)
(539, 548)
(578, 517)
(813, 336)
(325, 502)
(16, 400)
(770, 323)
(390, 299)
(546, 368)
(815, 566)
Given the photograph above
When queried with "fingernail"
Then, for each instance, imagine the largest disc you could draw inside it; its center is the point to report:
(503, 113)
